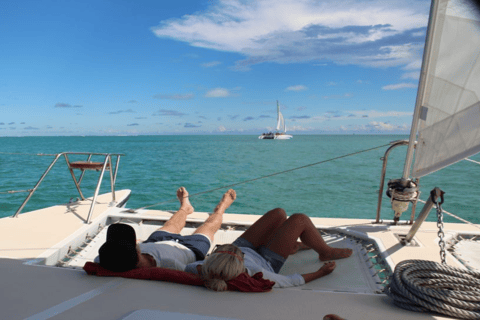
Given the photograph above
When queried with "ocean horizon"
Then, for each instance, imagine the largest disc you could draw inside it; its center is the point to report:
(298, 175)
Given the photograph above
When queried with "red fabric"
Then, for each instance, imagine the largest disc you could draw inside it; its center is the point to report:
(243, 282)
(152, 273)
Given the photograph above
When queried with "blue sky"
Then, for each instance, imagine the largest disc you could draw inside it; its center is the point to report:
(209, 67)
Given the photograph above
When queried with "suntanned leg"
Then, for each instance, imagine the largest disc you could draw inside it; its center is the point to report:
(214, 221)
(262, 231)
(284, 242)
(176, 222)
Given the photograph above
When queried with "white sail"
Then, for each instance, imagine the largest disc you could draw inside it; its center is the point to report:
(280, 122)
(279, 115)
(448, 105)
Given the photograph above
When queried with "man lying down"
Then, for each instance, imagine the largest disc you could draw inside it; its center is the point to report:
(165, 247)
(263, 247)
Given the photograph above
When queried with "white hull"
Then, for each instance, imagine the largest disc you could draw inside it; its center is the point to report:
(283, 137)
(275, 136)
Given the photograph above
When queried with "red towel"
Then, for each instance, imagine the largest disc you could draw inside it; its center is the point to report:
(243, 282)
(151, 273)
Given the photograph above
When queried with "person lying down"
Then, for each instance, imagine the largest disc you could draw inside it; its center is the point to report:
(264, 247)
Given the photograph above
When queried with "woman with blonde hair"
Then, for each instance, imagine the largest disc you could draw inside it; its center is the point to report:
(264, 247)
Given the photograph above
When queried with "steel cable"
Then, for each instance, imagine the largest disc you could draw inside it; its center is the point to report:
(262, 177)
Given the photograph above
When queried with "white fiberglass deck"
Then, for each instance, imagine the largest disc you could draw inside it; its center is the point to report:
(46, 292)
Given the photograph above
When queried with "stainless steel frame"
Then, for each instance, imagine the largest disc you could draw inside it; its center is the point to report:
(382, 179)
(83, 166)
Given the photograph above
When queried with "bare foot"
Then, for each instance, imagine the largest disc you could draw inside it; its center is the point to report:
(227, 200)
(327, 268)
(332, 317)
(182, 195)
(335, 254)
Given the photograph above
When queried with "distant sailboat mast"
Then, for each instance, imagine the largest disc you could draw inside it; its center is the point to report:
(278, 116)
(280, 121)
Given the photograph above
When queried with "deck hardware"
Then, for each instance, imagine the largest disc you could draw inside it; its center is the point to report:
(402, 191)
(435, 194)
(394, 144)
(423, 215)
(379, 271)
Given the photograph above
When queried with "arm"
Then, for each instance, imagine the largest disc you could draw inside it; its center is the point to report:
(327, 268)
(195, 267)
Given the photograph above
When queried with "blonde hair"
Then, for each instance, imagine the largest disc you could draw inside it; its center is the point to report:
(221, 266)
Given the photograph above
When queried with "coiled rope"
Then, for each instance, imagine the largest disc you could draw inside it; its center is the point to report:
(262, 177)
(420, 285)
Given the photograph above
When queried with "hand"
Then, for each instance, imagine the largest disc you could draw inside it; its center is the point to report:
(327, 268)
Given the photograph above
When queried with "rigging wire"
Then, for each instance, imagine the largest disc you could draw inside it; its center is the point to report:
(454, 216)
(15, 191)
(472, 160)
(262, 177)
(28, 154)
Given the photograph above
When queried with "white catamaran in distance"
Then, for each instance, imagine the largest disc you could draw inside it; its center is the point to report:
(398, 267)
(281, 130)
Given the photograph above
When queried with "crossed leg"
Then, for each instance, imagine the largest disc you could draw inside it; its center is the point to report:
(284, 241)
(261, 232)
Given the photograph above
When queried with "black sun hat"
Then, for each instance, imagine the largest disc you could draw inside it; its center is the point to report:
(119, 252)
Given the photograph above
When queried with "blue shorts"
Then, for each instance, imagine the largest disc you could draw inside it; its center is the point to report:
(275, 260)
(198, 243)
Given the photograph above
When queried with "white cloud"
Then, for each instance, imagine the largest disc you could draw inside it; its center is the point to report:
(211, 64)
(378, 126)
(296, 88)
(299, 128)
(399, 86)
(414, 65)
(218, 93)
(411, 75)
(377, 114)
(338, 96)
(283, 31)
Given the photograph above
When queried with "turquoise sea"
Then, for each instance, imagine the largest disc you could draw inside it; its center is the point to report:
(155, 166)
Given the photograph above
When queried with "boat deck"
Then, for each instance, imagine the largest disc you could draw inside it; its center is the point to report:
(45, 292)
(32, 233)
